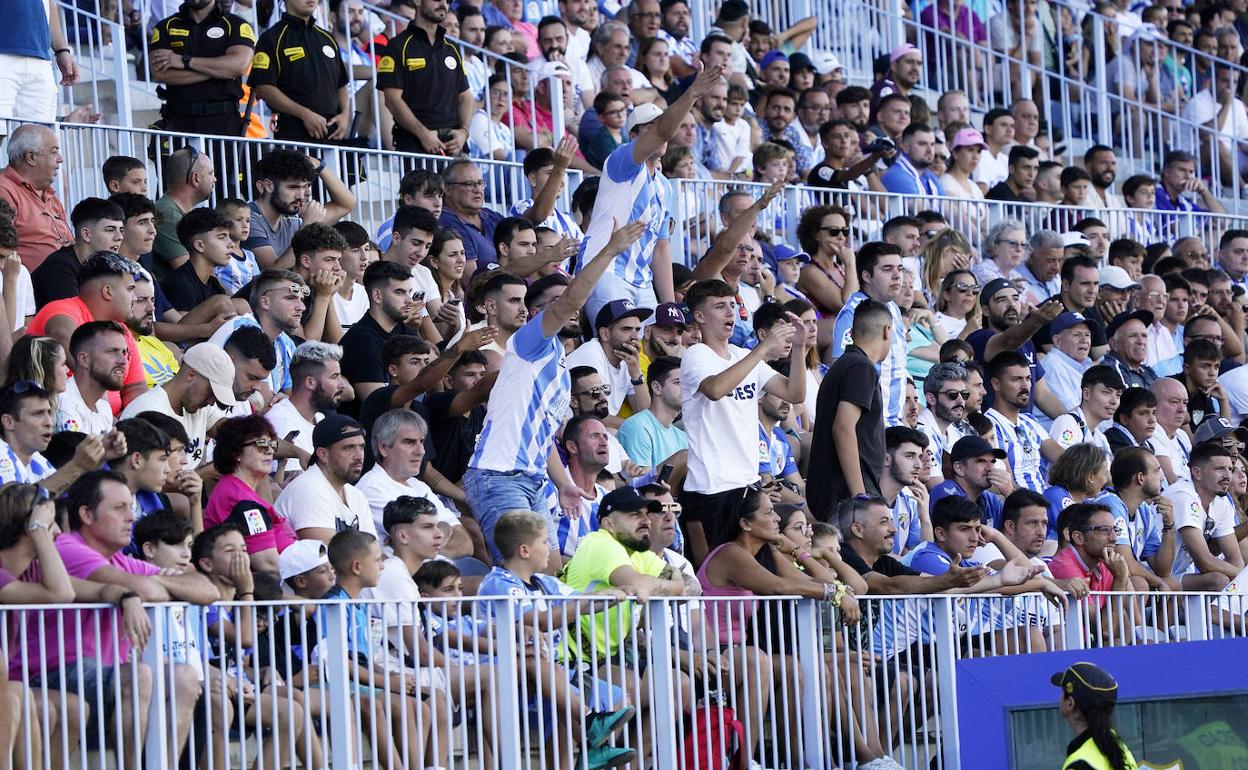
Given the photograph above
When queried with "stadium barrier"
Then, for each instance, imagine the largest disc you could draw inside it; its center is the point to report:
(361, 683)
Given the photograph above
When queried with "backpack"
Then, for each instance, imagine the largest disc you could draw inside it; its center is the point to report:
(715, 740)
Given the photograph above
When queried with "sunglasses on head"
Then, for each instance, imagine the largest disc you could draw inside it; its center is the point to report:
(303, 292)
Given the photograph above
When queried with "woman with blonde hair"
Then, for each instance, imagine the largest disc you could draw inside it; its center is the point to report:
(946, 251)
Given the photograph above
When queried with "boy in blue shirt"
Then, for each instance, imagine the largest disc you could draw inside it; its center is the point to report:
(522, 538)
(242, 267)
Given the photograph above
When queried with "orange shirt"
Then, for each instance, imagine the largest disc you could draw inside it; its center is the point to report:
(76, 309)
(42, 226)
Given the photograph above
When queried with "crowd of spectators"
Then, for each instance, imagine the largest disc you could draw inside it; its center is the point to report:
(211, 399)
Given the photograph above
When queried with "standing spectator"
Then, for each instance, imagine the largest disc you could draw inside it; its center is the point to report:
(849, 446)
(509, 466)
(283, 204)
(201, 54)
(614, 353)
(720, 387)
(32, 37)
(324, 500)
(298, 72)
(189, 179)
(903, 490)
(97, 227)
(879, 272)
(632, 187)
(98, 350)
(426, 87)
(34, 154)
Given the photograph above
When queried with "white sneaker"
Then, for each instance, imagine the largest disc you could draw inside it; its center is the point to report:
(883, 763)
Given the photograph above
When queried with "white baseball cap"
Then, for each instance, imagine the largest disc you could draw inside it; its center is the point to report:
(641, 115)
(1117, 278)
(215, 365)
(301, 556)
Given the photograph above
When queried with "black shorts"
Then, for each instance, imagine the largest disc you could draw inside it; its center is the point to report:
(714, 512)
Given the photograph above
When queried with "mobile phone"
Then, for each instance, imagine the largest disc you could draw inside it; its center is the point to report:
(417, 296)
(665, 473)
(453, 301)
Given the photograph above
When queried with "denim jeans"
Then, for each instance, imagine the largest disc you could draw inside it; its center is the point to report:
(493, 493)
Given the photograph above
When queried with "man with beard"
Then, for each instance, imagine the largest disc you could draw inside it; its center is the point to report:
(317, 388)
(1144, 520)
(776, 458)
(1100, 392)
(780, 122)
(943, 422)
(97, 353)
(201, 54)
(665, 335)
(581, 16)
(1205, 517)
(1024, 439)
(277, 304)
(199, 396)
(1128, 348)
(545, 290)
(879, 275)
(905, 66)
(552, 38)
(586, 443)
(613, 353)
(1102, 165)
(1228, 310)
(391, 311)
(910, 173)
(901, 488)
(675, 31)
(500, 302)
(306, 92)
(854, 105)
(707, 149)
(283, 204)
(651, 437)
(159, 361)
(323, 501)
(431, 102)
(1009, 330)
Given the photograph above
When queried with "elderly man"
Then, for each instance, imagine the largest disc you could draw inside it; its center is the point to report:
(1128, 348)
(465, 212)
(1039, 273)
(26, 185)
(944, 420)
(1068, 360)
(1172, 444)
(611, 44)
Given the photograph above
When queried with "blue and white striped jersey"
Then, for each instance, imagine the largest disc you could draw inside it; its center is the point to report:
(628, 193)
(569, 531)
(527, 404)
(559, 221)
(12, 469)
(908, 522)
(892, 368)
(1021, 442)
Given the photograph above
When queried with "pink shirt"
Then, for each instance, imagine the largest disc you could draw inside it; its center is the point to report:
(86, 634)
(1067, 564)
(42, 226)
(263, 528)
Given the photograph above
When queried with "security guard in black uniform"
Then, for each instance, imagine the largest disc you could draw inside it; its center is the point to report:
(298, 71)
(426, 86)
(201, 54)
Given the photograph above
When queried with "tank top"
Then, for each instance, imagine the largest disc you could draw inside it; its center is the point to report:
(731, 617)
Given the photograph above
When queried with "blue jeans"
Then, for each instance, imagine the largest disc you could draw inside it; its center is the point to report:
(493, 493)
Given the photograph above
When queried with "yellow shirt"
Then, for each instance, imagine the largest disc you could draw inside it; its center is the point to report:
(159, 363)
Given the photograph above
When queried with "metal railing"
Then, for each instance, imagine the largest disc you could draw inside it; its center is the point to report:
(476, 682)
(100, 51)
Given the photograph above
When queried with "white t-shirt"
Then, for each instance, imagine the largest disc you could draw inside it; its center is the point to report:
(1218, 521)
(733, 141)
(25, 298)
(379, 489)
(196, 424)
(592, 354)
(1178, 449)
(992, 169)
(1235, 383)
(285, 418)
(397, 588)
(310, 502)
(1204, 108)
(351, 310)
(723, 440)
(72, 413)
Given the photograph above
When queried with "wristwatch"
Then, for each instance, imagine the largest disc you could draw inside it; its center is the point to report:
(186, 62)
(638, 381)
(36, 525)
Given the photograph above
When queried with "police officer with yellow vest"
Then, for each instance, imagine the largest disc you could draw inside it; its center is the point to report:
(1088, 697)
(201, 54)
(299, 72)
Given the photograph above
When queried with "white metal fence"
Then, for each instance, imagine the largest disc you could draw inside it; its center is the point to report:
(477, 683)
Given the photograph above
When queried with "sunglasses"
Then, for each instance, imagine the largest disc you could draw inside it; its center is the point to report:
(673, 508)
(601, 390)
(263, 444)
(965, 288)
(954, 395)
(193, 151)
(302, 292)
(835, 231)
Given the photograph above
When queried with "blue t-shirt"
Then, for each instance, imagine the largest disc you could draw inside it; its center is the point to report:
(25, 30)
(989, 502)
(1059, 499)
(647, 442)
(358, 642)
(775, 454)
(1142, 532)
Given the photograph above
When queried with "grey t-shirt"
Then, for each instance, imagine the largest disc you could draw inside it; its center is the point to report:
(263, 235)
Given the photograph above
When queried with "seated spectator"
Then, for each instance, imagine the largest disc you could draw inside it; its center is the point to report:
(242, 268)
(1019, 183)
(34, 156)
(911, 172)
(282, 182)
(124, 174)
(351, 300)
(1134, 420)
(465, 211)
(324, 499)
(277, 304)
(317, 387)
(1128, 347)
(1143, 518)
(1139, 193)
(1087, 551)
(999, 136)
(19, 301)
(98, 350)
(189, 179)
(391, 308)
(1181, 189)
(420, 188)
(1217, 107)
(612, 112)
(146, 469)
(205, 234)
(1004, 249)
(97, 227)
(398, 439)
(971, 462)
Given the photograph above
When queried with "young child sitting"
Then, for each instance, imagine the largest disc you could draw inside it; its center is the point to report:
(242, 267)
(523, 540)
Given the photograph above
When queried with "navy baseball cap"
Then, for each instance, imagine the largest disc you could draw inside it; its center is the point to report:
(1067, 320)
(992, 287)
(617, 309)
(670, 314)
(974, 446)
(1142, 316)
(1088, 684)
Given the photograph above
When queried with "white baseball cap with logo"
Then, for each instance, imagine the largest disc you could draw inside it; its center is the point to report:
(641, 115)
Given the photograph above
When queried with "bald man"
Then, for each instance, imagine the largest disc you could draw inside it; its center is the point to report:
(1171, 442)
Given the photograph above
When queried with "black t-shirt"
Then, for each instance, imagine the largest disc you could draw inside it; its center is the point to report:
(455, 437)
(885, 565)
(361, 349)
(57, 277)
(377, 404)
(1200, 406)
(1002, 192)
(185, 291)
(852, 378)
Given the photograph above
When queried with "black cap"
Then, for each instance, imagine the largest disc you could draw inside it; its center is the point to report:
(1088, 684)
(1143, 316)
(626, 499)
(992, 287)
(974, 446)
(334, 428)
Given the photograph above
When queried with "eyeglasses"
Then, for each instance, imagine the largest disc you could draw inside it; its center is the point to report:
(264, 443)
(966, 288)
(601, 390)
(476, 184)
(303, 292)
(954, 395)
(1013, 244)
(835, 231)
(620, 111)
(1104, 529)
